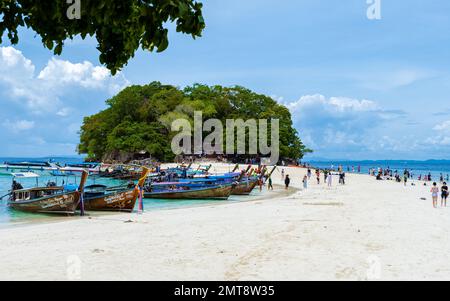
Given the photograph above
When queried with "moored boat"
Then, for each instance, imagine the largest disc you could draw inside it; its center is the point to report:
(42, 167)
(102, 198)
(56, 200)
(177, 190)
(246, 186)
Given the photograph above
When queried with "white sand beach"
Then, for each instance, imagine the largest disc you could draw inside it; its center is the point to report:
(365, 230)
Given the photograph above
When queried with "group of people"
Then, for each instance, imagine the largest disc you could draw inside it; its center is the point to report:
(435, 194)
(327, 174)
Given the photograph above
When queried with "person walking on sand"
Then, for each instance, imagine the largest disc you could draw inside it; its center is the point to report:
(329, 179)
(269, 185)
(444, 195)
(287, 181)
(282, 174)
(318, 176)
(309, 173)
(305, 182)
(405, 179)
(342, 178)
(434, 194)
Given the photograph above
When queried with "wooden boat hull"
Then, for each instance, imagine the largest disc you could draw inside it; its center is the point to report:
(217, 193)
(123, 201)
(57, 204)
(244, 188)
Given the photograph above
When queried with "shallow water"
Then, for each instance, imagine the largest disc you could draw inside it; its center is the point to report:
(9, 217)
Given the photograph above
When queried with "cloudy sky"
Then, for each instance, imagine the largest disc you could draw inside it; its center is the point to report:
(357, 88)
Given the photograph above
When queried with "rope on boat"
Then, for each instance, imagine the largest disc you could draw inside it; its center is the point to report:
(1, 198)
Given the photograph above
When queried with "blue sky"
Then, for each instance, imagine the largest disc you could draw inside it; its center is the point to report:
(357, 88)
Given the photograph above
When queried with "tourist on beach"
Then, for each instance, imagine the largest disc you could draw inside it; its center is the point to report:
(329, 179)
(318, 176)
(405, 179)
(325, 174)
(269, 185)
(441, 178)
(434, 194)
(342, 178)
(309, 173)
(305, 182)
(444, 195)
(282, 174)
(287, 181)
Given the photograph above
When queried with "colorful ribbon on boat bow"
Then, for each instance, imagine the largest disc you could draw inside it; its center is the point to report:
(141, 203)
(81, 204)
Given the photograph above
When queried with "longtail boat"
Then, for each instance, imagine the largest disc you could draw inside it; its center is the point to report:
(246, 186)
(177, 190)
(47, 199)
(101, 198)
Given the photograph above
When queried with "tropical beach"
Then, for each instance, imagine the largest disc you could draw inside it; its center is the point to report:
(189, 140)
(364, 230)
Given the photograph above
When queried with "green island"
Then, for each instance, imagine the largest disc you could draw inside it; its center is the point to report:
(138, 120)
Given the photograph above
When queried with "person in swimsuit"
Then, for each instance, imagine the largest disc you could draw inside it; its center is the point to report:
(444, 195)
(434, 194)
(329, 179)
(305, 182)
(318, 176)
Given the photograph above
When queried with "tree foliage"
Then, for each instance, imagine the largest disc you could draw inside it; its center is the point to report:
(139, 118)
(120, 26)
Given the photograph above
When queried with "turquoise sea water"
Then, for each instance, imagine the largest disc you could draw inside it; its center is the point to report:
(13, 217)
(435, 167)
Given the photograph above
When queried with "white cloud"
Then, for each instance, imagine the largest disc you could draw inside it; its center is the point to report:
(444, 126)
(64, 112)
(19, 125)
(44, 93)
(340, 125)
(63, 73)
(13, 63)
